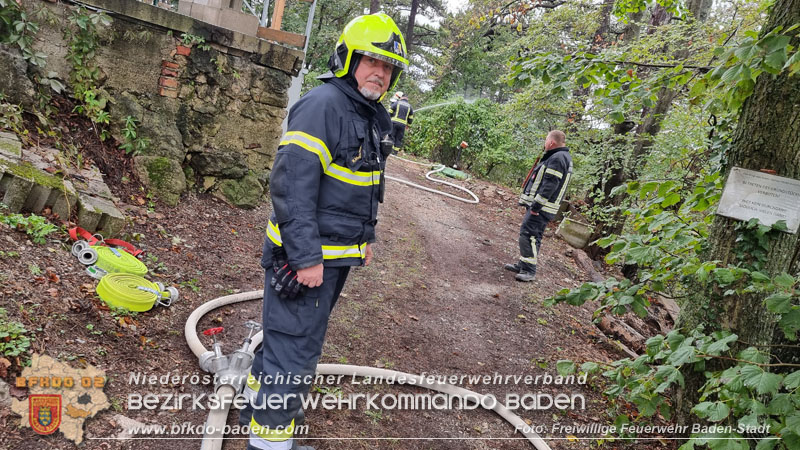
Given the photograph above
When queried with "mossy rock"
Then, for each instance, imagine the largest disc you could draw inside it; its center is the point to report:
(10, 145)
(26, 170)
(224, 163)
(243, 193)
(163, 176)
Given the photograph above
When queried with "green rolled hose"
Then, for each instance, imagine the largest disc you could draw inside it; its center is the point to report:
(125, 290)
(113, 260)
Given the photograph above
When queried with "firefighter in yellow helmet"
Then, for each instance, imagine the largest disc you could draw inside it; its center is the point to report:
(326, 184)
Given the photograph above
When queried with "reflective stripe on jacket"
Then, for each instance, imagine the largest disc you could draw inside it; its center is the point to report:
(549, 184)
(326, 179)
(401, 112)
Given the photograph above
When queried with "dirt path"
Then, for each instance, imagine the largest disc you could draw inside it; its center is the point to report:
(436, 301)
(444, 305)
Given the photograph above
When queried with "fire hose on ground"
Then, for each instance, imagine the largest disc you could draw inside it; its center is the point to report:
(235, 368)
(436, 168)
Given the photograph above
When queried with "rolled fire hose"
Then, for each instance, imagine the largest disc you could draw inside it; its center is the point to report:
(114, 260)
(134, 293)
(216, 419)
(436, 168)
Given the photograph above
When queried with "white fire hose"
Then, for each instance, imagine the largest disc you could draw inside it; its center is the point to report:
(217, 418)
(436, 168)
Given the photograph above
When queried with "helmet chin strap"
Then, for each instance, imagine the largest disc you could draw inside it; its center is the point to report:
(355, 59)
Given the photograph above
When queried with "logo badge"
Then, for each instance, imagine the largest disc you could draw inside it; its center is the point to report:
(44, 413)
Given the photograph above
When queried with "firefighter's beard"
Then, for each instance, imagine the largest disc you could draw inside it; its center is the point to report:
(369, 93)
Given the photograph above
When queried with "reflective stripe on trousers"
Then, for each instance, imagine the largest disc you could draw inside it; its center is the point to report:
(530, 240)
(294, 331)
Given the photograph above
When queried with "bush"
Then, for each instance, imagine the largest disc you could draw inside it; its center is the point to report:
(37, 227)
(492, 153)
(13, 341)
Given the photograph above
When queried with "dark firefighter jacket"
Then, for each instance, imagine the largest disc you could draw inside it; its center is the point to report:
(326, 179)
(401, 111)
(545, 188)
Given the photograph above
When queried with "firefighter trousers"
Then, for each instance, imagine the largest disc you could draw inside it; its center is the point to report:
(285, 363)
(530, 240)
(398, 134)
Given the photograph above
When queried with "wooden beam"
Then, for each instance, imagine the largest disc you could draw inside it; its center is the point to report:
(283, 37)
(277, 14)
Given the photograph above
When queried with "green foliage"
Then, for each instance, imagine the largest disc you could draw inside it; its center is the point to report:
(191, 284)
(36, 227)
(622, 8)
(134, 144)
(13, 339)
(118, 312)
(619, 86)
(437, 132)
(747, 394)
(17, 29)
(142, 37)
(192, 40)
(741, 65)
(669, 229)
(83, 37)
(11, 118)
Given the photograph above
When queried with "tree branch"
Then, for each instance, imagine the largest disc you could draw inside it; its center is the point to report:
(703, 355)
(661, 66)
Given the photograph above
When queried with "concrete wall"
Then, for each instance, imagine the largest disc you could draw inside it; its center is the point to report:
(213, 114)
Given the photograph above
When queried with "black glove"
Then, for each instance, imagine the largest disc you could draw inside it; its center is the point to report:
(387, 145)
(284, 280)
(279, 258)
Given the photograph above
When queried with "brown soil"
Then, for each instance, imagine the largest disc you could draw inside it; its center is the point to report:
(436, 300)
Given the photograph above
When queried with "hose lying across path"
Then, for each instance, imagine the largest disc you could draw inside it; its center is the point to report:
(436, 168)
(216, 419)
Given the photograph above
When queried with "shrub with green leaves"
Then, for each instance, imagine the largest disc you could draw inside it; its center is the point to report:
(17, 29)
(83, 37)
(37, 227)
(742, 397)
(13, 339)
(670, 223)
(492, 153)
(133, 143)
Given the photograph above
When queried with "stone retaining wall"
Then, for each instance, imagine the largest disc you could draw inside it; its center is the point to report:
(212, 113)
(28, 184)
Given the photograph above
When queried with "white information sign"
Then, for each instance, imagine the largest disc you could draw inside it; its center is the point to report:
(769, 198)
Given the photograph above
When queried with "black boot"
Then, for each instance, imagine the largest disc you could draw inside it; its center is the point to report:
(512, 267)
(525, 276)
(299, 419)
(527, 272)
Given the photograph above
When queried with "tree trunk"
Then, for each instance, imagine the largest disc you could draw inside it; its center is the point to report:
(767, 137)
(611, 176)
(645, 134)
(412, 17)
(374, 6)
